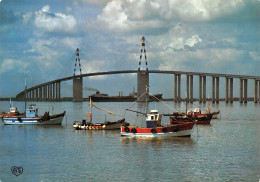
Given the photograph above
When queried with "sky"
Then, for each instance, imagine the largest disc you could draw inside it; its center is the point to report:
(38, 40)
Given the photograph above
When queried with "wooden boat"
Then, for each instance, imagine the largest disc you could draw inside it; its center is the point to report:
(154, 127)
(32, 118)
(107, 125)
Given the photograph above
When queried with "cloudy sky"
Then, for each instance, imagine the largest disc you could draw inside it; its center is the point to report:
(39, 38)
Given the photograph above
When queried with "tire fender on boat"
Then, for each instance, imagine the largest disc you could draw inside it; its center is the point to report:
(133, 130)
(175, 129)
(153, 130)
(127, 129)
(164, 130)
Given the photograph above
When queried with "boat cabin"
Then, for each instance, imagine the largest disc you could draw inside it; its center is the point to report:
(153, 119)
(32, 112)
(13, 110)
(197, 111)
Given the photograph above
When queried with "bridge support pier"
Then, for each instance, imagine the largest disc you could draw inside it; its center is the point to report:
(177, 87)
(213, 89)
(189, 88)
(245, 90)
(142, 83)
(44, 92)
(204, 89)
(202, 93)
(241, 91)
(257, 91)
(40, 93)
(77, 89)
(227, 82)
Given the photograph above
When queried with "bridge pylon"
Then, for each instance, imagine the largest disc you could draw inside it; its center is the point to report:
(77, 81)
(142, 75)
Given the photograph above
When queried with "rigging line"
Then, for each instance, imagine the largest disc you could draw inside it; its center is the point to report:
(137, 100)
(164, 103)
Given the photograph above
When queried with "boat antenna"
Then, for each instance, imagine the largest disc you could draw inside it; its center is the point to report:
(25, 94)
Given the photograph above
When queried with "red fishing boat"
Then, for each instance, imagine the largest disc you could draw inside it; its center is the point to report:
(154, 128)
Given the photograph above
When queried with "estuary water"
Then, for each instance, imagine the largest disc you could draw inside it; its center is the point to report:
(226, 150)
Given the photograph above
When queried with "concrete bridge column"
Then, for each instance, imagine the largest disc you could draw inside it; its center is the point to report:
(175, 87)
(241, 91)
(77, 89)
(204, 89)
(58, 91)
(44, 92)
(40, 93)
(213, 89)
(32, 94)
(187, 87)
(259, 91)
(49, 92)
(200, 89)
(191, 88)
(255, 92)
(53, 92)
(217, 89)
(231, 90)
(245, 90)
(179, 88)
(227, 83)
(37, 94)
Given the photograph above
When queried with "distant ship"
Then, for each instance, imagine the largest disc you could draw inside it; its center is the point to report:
(101, 97)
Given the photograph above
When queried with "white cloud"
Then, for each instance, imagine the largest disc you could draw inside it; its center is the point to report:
(132, 15)
(195, 39)
(92, 67)
(47, 21)
(13, 65)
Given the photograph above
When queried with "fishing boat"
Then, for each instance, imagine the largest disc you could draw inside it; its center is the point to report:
(31, 118)
(13, 112)
(189, 116)
(154, 127)
(107, 125)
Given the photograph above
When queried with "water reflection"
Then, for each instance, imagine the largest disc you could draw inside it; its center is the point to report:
(160, 142)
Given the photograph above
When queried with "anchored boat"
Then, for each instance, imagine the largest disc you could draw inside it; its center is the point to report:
(31, 118)
(154, 127)
(107, 125)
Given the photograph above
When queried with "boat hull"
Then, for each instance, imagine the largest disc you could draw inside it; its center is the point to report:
(100, 126)
(177, 130)
(52, 120)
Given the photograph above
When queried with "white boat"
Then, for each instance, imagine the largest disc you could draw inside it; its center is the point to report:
(32, 118)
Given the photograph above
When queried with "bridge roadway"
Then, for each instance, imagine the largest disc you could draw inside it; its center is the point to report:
(38, 92)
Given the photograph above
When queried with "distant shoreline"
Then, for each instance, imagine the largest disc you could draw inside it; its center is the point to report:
(66, 99)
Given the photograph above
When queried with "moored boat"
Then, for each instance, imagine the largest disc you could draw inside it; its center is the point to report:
(154, 128)
(31, 118)
(107, 125)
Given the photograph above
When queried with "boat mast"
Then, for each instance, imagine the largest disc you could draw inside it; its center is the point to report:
(186, 102)
(90, 107)
(25, 98)
(146, 103)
